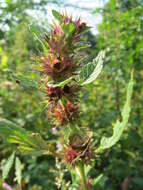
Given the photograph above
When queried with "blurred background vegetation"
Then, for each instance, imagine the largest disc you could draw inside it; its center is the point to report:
(120, 33)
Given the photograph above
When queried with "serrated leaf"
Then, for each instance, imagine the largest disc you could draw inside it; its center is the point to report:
(13, 133)
(90, 72)
(7, 167)
(86, 71)
(27, 141)
(26, 83)
(18, 170)
(119, 126)
(7, 127)
(57, 15)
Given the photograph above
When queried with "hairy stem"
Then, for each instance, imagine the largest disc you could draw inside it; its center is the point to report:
(81, 172)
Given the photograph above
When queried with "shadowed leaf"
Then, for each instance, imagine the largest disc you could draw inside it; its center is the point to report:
(26, 83)
(28, 142)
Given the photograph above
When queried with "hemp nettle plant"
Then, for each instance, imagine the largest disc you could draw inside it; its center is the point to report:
(64, 74)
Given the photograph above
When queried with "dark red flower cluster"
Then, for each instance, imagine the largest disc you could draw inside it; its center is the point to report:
(79, 148)
(68, 92)
(70, 154)
(59, 64)
(65, 113)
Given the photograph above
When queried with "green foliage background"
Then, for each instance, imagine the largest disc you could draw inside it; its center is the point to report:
(121, 35)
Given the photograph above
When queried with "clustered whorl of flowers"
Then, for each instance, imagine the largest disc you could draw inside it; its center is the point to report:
(60, 64)
(80, 148)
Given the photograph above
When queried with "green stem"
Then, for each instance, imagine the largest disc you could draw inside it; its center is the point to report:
(81, 172)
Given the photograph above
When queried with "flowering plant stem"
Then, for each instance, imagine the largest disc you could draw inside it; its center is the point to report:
(81, 172)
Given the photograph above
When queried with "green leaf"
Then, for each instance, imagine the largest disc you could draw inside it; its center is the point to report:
(28, 142)
(7, 167)
(66, 133)
(14, 133)
(86, 71)
(68, 28)
(97, 179)
(90, 72)
(61, 84)
(119, 126)
(1, 182)
(98, 10)
(26, 83)
(35, 32)
(4, 61)
(57, 15)
(18, 170)
(138, 181)
(7, 127)
(82, 45)
(71, 27)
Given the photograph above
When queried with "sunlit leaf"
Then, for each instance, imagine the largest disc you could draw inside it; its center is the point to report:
(61, 84)
(119, 126)
(8, 2)
(69, 28)
(91, 71)
(57, 15)
(97, 179)
(7, 167)
(4, 61)
(18, 170)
